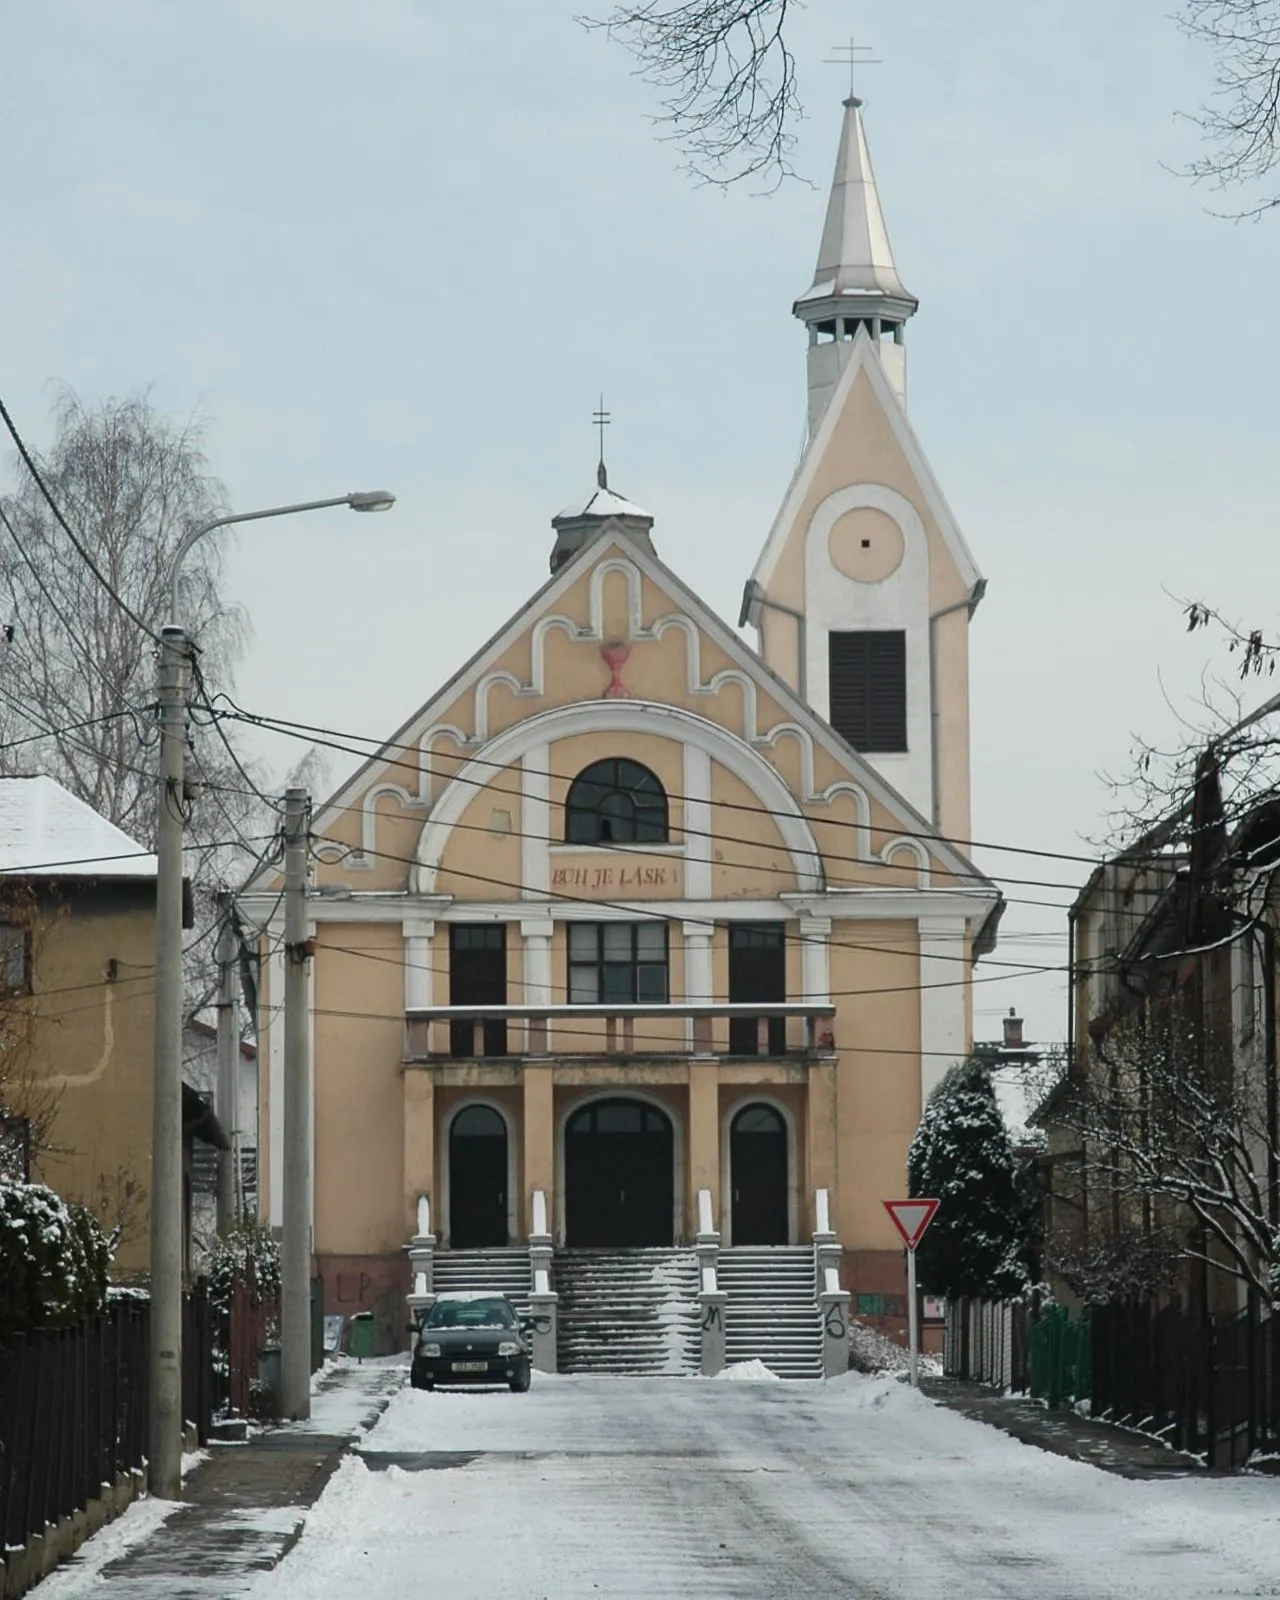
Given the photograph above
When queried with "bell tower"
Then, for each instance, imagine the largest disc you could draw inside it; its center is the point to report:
(863, 593)
(855, 285)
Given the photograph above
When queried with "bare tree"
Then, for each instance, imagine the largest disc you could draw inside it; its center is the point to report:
(77, 677)
(1241, 120)
(726, 76)
(1182, 1142)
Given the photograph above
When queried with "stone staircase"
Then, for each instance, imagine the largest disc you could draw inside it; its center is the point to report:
(772, 1313)
(627, 1313)
(501, 1271)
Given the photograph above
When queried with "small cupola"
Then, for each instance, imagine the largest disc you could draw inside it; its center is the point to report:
(584, 518)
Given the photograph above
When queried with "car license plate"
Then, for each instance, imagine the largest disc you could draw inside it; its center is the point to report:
(471, 1366)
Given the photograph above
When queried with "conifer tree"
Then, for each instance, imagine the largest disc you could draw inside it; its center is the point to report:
(978, 1244)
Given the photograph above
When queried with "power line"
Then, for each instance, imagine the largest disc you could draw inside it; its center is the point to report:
(868, 862)
(33, 469)
(299, 730)
(635, 908)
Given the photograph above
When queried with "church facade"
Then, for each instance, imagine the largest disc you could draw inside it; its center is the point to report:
(634, 927)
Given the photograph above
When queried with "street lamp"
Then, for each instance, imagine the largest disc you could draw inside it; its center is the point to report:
(165, 1378)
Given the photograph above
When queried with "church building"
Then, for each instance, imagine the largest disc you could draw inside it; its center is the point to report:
(646, 943)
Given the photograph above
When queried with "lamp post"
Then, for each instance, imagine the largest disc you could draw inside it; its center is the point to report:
(165, 1377)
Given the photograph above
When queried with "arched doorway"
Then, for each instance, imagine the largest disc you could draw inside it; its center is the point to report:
(477, 1178)
(758, 1173)
(619, 1161)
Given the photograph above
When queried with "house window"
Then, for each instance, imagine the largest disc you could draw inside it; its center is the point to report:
(477, 977)
(15, 959)
(757, 971)
(616, 802)
(868, 678)
(617, 962)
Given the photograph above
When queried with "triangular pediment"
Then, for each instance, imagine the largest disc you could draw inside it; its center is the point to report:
(616, 624)
(865, 436)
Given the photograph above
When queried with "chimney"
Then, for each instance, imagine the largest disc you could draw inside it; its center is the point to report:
(1013, 1031)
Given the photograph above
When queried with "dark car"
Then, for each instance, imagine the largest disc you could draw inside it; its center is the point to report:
(470, 1338)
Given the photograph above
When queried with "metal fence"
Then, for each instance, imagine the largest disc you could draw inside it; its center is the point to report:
(1207, 1385)
(73, 1414)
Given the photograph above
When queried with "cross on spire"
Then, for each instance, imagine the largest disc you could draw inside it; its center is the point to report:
(851, 55)
(601, 420)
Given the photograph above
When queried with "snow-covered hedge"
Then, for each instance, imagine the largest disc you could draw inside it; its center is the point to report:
(53, 1260)
(247, 1254)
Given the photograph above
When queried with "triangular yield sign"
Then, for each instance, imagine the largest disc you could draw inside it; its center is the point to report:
(911, 1218)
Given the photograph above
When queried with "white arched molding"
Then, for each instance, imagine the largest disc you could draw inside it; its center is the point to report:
(535, 820)
(795, 1180)
(621, 717)
(366, 858)
(914, 849)
(836, 603)
(697, 828)
(679, 1172)
(943, 958)
(445, 1201)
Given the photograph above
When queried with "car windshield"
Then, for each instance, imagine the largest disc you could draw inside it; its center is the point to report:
(471, 1314)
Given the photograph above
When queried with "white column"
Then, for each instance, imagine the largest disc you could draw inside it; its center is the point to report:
(536, 932)
(697, 823)
(535, 821)
(418, 962)
(699, 983)
(942, 989)
(815, 958)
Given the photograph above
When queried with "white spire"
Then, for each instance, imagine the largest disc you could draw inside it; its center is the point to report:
(855, 259)
(856, 284)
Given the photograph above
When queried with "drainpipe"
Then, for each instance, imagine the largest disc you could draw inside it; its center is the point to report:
(752, 596)
(969, 604)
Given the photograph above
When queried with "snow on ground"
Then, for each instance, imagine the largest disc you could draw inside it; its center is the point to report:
(134, 1525)
(753, 1371)
(860, 1487)
(872, 1351)
(345, 1393)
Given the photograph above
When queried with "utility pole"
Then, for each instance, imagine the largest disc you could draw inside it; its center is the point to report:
(295, 1253)
(165, 1377)
(228, 1095)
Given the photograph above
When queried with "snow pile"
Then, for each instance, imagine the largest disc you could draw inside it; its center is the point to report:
(872, 1351)
(883, 1391)
(753, 1371)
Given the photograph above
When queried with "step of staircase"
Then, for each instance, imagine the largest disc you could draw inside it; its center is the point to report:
(473, 1271)
(627, 1313)
(772, 1313)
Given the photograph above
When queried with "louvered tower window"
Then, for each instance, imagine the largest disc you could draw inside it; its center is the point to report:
(869, 689)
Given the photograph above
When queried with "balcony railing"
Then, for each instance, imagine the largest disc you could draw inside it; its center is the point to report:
(671, 1031)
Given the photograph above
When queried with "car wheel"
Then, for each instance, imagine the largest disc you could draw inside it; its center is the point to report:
(418, 1380)
(520, 1383)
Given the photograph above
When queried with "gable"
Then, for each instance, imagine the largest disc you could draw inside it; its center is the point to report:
(616, 628)
(865, 438)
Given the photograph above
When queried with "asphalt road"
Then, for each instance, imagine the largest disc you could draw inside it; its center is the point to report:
(589, 1487)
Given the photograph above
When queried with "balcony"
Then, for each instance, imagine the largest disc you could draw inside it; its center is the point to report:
(795, 1031)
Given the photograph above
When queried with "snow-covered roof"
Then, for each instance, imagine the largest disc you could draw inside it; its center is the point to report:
(601, 502)
(47, 832)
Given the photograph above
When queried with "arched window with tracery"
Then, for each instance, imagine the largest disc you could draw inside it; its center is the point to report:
(616, 802)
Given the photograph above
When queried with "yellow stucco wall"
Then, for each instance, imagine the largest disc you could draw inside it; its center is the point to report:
(92, 1044)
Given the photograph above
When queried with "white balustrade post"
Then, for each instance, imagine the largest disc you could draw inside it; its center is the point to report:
(543, 1299)
(833, 1300)
(712, 1301)
(421, 1251)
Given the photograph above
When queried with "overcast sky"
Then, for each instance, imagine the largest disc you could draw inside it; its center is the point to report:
(403, 243)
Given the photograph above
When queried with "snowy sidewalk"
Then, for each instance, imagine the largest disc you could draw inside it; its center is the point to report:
(1062, 1432)
(242, 1509)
